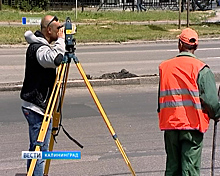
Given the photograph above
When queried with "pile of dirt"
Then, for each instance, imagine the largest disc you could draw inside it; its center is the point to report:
(118, 75)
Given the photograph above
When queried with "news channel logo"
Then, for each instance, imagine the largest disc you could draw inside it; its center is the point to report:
(76, 155)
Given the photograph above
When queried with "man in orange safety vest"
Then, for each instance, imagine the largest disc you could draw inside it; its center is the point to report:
(187, 99)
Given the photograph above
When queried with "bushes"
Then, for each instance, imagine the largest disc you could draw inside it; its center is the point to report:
(31, 5)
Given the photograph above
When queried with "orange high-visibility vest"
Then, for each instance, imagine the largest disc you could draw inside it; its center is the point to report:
(180, 106)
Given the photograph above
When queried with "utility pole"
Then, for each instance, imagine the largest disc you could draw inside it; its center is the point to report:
(76, 10)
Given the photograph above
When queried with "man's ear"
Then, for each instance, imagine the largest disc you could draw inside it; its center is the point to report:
(49, 30)
(180, 43)
(195, 47)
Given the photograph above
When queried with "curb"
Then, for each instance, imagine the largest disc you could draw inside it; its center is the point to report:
(142, 80)
(16, 86)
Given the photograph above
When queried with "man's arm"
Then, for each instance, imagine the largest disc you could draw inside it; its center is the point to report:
(51, 57)
(208, 92)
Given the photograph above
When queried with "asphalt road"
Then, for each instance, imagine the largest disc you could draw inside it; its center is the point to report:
(140, 59)
(131, 110)
(132, 113)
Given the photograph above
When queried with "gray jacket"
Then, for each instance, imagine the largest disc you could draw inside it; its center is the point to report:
(46, 56)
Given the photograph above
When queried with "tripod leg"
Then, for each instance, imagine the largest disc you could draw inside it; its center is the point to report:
(54, 100)
(33, 163)
(48, 114)
(102, 112)
(56, 120)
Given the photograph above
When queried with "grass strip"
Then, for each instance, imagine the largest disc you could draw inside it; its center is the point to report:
(112, 32)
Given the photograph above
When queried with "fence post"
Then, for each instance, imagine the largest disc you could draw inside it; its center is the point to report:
(179, 14)
(82, 5)
(133, 5)
(188, 3)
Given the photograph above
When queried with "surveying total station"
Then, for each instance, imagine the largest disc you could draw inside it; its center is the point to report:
(54, 106)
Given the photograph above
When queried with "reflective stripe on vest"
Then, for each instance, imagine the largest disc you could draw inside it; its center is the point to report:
(178, 103)
(179, 92)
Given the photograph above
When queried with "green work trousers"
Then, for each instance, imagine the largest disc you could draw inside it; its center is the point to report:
(183, 149)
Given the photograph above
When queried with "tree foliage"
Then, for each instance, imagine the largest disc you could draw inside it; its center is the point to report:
(31, 5)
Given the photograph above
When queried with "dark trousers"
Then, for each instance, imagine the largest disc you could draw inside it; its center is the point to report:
(183, 149)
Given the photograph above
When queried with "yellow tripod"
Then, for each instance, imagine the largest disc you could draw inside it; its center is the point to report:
(53, 110)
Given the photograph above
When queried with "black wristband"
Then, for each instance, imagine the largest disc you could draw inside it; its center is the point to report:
(58, 59)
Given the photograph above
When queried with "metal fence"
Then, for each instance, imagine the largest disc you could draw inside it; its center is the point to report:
(120, 4)
(131, 4)
(9, 2)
